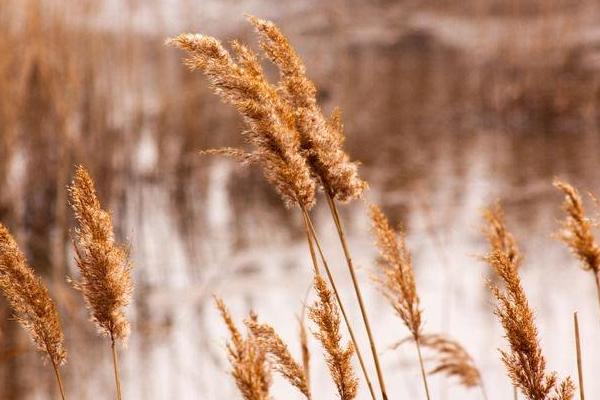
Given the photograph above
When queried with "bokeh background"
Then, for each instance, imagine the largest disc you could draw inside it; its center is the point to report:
(449, 105)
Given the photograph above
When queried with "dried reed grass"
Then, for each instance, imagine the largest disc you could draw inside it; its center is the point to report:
(106, 282)
(524, 360)
(396, 279)
(248, 359)
(281, 358)
(324, 313)
(577, 234)
(498, 236)
(31, 304)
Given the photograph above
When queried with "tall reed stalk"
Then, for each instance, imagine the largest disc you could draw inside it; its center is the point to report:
(579, 358)
(363, 312)
(312, 236)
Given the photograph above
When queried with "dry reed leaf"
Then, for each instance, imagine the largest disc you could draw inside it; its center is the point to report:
(524, 360)
(106, 282)
(270, 120)
(249, 365)
(576, 230)
(396, 278)
(282, 360)
(29, 299)
(323, 140)
(324, 313)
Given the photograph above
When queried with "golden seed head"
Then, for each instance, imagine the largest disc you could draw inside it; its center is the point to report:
(576, 231)
(106, 282)
(29, 299)
(396, 278)
(271, 133)
(321, 139)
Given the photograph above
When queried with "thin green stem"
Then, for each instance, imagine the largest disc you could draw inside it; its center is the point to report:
(313, 236)
(363, 311)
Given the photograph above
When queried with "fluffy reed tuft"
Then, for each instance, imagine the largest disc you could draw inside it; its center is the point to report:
(576, 229)
(282, 360)
(524, 361)
(453, 360)
(397, 279)
(270, 120)
(498, 236)
(28, 297)
(321, 138)
(106, 282)
(325, 315)
(249, 365)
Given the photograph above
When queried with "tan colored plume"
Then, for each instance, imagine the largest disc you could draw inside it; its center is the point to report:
(322, 139)
(270, 120)
(105, 282)
(248, 359)
(396, 277)
(498, 236)
(324, 313)
(281, 358)
(29, 299)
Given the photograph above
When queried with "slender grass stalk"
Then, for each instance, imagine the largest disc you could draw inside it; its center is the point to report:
(58, 379)
(515, 393)
(115, 359)
(579, 363)
(342, 236)
(312, 235)
(423, 373)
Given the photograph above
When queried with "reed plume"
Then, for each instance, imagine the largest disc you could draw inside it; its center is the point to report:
(321, 138)
(576, 232)
(248, 359)
(324, 313)
(524, 360)
(397, 280)
(498, 236)
(31, 304)
(281, 358)
(270, 120)
(106, 282)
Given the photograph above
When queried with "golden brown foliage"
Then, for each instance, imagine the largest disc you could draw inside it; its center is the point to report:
(576, 229)
(281, 358)
(453, 360)
(249, 366)
(397, 279)
(322, 139)
(524, 361)
(106, 282)
(270, 120)
(324, 313)
(498, 236)
(32, 306)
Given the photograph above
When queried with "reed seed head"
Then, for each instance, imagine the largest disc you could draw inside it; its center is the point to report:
(498, 236)
(524, 360)
(248, 359)
(280, 356)
(576, 231)
(324, 313)
(105, 282)
(396, 278)
(452, 360)
(29, 299)
(321, 139)
(276, 144)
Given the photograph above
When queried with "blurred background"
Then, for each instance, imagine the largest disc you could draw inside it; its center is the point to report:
(449, 105)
